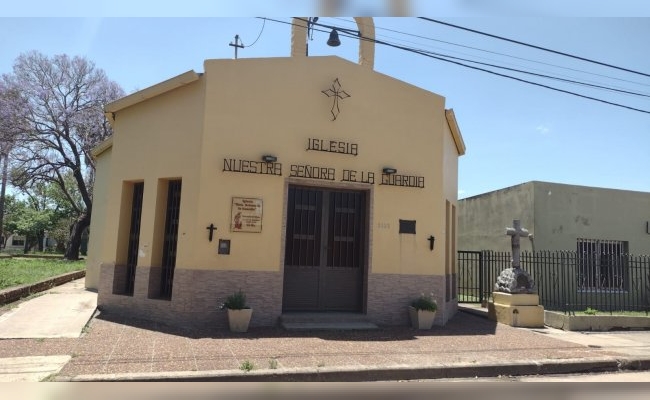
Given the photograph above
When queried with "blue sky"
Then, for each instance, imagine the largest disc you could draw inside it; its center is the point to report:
(514, 132)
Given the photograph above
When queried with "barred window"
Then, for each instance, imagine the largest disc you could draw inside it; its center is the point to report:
(602, 264)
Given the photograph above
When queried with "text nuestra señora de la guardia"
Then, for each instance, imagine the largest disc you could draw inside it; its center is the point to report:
(320, 172)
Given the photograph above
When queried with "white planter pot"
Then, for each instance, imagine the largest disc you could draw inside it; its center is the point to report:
(238, 320)
(421, 319)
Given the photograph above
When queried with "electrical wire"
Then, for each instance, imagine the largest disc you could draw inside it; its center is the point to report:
(573, 80)
(258, 36)
(424, 53)
(541, 75)
(584, 83)
(534, 46)
(495, 53)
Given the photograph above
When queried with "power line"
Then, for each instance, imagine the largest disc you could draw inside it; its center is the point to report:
(239, 44)
(515, 78)
(258, 36)
(541, 75)
(424, 53)
(535, 47)
(496, 53)
(585, 83)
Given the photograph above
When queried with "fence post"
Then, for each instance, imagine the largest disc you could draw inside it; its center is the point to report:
(481, 275)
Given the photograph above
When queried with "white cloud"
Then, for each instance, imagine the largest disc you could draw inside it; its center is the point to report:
(543, 129)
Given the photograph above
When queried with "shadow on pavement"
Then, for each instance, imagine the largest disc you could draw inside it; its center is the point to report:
(461, 324)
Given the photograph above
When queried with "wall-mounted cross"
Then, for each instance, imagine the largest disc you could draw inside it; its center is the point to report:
(336, 92)
(515, 233)
(431, 240)
(211, 228)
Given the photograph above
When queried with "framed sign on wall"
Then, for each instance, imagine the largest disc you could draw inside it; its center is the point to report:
(246, 215)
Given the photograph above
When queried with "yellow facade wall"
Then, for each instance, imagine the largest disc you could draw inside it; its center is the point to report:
(155, 139)
(242, 109)
(98, 231)
(393, 124)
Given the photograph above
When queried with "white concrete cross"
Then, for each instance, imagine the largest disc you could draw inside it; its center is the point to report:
(515, 233)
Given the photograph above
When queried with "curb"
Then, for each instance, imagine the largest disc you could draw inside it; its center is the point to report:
(366, 374)
(16, 293)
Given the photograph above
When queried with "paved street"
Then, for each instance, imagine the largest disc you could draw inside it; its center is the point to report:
(114, 348)
(639, 376)
(633, 343)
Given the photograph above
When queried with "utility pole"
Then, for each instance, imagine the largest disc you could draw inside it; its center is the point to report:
(237, 45)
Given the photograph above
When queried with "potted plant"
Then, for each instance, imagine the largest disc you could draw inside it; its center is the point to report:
(422, 311)
(239, 313)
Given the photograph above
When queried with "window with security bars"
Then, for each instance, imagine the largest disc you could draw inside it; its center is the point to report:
(602, 264)
(134, 237)
(171, 238)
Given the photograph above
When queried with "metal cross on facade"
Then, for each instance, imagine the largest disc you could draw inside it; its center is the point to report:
(336, 92)
(515, 233)
(211, 228)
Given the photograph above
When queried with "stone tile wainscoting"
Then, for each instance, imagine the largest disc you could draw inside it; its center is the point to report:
(389, 296)
(197, 295)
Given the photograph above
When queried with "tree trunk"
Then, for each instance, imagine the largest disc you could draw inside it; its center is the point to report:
(60, 247)
(76, 230)
(4, 160)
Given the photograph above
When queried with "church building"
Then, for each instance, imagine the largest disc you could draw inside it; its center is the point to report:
(313, 184)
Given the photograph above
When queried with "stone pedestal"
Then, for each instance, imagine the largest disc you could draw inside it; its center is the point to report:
(520, 310)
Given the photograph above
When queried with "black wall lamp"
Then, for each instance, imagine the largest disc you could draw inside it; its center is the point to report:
(431, 240)
(388, 170)
(269, 158)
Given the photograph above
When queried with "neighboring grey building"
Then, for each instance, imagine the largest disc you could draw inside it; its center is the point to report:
(559, 216)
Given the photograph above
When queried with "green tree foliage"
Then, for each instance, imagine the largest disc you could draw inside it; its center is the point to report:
(42, 208)
(23, 220)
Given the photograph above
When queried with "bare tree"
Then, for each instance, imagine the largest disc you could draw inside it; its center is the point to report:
(64, 98)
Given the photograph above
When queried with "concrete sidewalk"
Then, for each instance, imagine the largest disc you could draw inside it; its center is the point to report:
(60, 312)
(113, 348)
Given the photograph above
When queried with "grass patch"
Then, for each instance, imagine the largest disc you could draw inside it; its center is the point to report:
(246, 366)
(21, 271)
(591, 311)
(50, 378)
(466, 298)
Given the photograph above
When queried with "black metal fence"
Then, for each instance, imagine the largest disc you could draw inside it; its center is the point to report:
(566, 280)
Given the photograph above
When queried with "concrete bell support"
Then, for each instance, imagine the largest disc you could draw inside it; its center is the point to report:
(366, 27)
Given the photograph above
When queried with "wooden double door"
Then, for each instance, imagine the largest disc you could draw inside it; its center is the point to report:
(326, 250)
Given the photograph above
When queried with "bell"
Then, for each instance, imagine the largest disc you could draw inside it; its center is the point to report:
(334, 39)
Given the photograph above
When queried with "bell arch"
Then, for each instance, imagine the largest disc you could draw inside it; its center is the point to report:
(366, 27)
